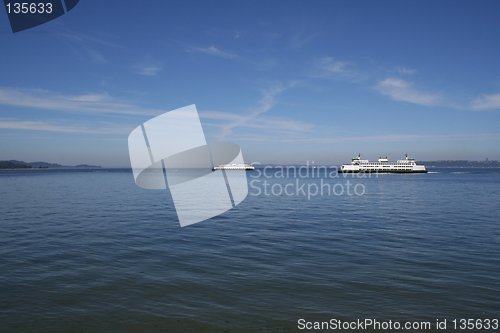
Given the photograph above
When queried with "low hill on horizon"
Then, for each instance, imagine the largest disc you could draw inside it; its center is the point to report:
(15, 164)
(462, 164)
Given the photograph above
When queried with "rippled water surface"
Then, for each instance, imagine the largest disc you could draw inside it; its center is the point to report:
(89, 251)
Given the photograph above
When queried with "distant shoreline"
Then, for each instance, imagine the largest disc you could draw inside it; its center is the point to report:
(260, 167)
(21, 165)
(47, 169)
(461, 164)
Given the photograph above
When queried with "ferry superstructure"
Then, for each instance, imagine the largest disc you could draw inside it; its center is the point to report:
(383, 165)
(234, 166)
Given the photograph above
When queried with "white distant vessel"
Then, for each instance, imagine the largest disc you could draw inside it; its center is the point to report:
(234, 166)
(383, 165)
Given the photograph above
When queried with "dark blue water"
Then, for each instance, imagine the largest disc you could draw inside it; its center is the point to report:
(89, 251)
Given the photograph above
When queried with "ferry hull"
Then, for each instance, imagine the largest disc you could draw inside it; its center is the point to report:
(382, 171)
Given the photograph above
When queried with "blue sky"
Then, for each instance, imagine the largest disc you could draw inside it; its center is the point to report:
(290, 81)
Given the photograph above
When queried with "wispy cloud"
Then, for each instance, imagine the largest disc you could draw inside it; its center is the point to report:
(404, 91)
(332, 68)
(102, 103)
(60, 127)
(214, 51)
(88, 98)
(486, 102)
(415, 137)
(265, 104)
(263, 122)
(406, 71)
(148, 70)
(315, 139)
(86, 103)
(89, 46)
(301, 39)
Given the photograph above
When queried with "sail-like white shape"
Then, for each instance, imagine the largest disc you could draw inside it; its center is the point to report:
(171, 149)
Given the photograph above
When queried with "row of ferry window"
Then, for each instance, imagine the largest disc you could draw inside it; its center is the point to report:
(399, 166)
(393, 168)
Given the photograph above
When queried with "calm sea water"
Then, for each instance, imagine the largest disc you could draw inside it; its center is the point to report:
(89, 251)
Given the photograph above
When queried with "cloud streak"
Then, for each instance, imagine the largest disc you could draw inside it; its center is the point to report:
(486, 102)
(151, 70)
(88, 45)
(215, 52)
(265, 123)
(371, 138)
(102, 103)
(332, 68)
(406, 71)
(59, 127)
(404, 91)
(265, 104)
(85, 103)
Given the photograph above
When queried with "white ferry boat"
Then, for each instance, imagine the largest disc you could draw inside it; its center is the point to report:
(234, 166)
(383, 165)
